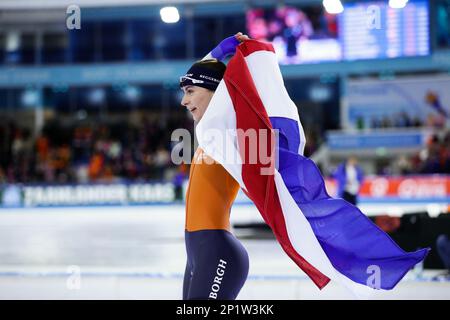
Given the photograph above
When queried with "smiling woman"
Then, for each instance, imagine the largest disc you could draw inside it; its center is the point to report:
(202, 79)
(199, 84)
(196, 100)
(217, 263)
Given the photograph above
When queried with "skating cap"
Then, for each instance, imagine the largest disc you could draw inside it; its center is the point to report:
(205, 73)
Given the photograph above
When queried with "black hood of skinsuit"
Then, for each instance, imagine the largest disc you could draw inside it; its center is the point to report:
(205, 73)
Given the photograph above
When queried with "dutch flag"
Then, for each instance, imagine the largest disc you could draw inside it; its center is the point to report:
(329, 239)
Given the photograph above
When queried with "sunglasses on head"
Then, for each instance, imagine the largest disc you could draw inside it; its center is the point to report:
(194, 81)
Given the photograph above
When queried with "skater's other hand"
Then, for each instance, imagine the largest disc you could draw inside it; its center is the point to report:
(241, 37)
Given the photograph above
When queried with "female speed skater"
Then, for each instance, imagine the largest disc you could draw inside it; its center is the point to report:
(328, 238)
(217, 263)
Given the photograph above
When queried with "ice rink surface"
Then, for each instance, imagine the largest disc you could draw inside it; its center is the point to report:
(137, 252)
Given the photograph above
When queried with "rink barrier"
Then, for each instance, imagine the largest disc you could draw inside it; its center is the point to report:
(378, 190)
(169, 276)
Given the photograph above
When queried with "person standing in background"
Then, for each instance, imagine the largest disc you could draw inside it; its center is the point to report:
(349, 177)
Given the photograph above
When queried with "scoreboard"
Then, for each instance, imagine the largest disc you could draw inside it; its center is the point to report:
(374, 30)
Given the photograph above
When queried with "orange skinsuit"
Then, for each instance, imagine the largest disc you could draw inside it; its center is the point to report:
(210, 194)
(217, 263)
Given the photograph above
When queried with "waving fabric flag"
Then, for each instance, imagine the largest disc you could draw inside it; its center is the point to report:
(329, 239)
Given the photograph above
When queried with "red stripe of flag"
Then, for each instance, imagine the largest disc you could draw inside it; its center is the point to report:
(251, 114)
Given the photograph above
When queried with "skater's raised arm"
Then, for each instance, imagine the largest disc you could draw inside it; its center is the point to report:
(226, 47)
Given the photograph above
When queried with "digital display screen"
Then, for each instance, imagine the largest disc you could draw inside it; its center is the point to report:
(375, 30)
(305, 35)
(368, 30)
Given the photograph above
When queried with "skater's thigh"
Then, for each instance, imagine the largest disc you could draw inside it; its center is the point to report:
(220, 265)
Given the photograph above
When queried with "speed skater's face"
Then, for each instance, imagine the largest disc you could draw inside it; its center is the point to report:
(196, 100)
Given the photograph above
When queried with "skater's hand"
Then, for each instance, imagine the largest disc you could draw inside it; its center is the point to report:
(227, 47)
(241, 37)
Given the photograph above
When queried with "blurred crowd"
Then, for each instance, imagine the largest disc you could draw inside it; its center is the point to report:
(125, 151)
(432, 159)
(401, 120)
(93, 152)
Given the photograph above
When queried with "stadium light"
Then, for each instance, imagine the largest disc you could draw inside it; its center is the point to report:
(30, 98)
(397, 4)
(169, 14)
(12, 41)
(319, 93)
(132, 93)
(96, 96)
(333, 6)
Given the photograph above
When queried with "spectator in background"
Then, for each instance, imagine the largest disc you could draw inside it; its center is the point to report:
(349, 177)
(403, 165)
(313, 140)
(417, 122)
(42, 147)
(17, 145)
(386, 122)
(129, 165)
(445, 153)
(61, 163)
(96, 165)
(435, 121)
(179, 178)
(443, 249)
(360, 123)
(2, 176)
(298, 26)
(402, 120)
(161, 160)
(375, 123)
(81, 145)
(430, 156)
